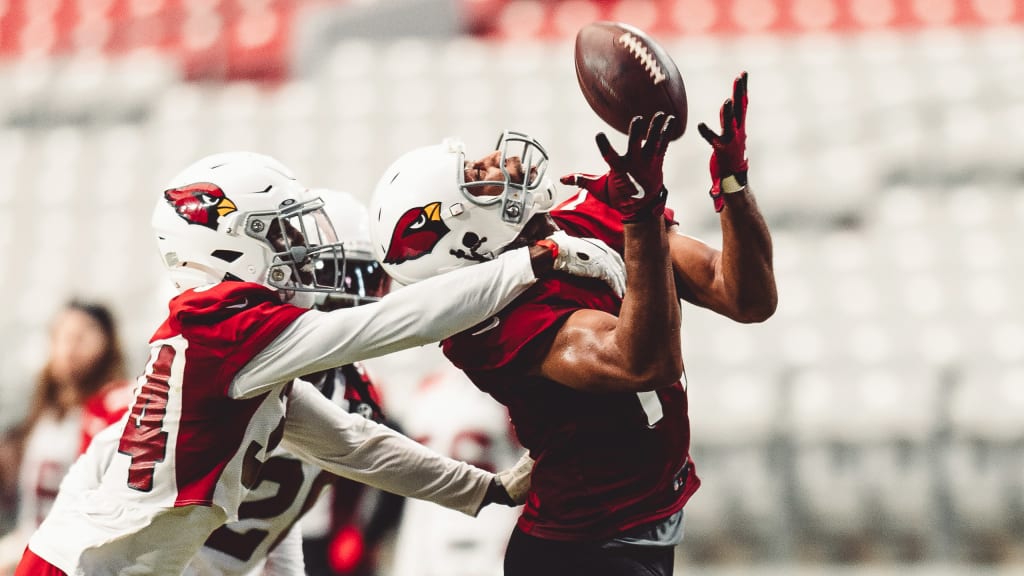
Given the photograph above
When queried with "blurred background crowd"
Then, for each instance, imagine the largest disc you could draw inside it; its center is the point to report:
(877, 420)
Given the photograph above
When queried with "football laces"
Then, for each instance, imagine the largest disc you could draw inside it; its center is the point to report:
(643, 55)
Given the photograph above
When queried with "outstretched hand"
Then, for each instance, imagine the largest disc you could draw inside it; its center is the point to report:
(635, 183)
(516, 480)
(595, 184)
(729, 149)
(591, 258)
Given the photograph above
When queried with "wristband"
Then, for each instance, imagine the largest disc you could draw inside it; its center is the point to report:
(551, 245)
(734, 183)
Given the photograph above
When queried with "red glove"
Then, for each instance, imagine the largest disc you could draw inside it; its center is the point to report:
(595, 185)
(729, 155)
(634, 185)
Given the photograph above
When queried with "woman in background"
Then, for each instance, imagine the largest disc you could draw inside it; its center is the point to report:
(81, 390)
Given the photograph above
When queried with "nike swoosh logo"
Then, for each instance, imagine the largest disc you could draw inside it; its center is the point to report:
(490, 326)
(243, 304)
(640, 192)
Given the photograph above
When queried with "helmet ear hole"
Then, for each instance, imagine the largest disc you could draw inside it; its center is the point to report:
(226, 255)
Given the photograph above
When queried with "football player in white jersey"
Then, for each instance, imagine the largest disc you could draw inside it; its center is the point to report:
(242, 239)
(267, 537)
(454, 418)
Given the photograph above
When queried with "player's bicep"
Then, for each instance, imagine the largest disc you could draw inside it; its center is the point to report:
(584, 355)
(696, 267)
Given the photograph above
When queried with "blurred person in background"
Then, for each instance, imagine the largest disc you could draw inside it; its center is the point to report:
(449, 415)
(242, 241)
(81, 390)
(594, 383)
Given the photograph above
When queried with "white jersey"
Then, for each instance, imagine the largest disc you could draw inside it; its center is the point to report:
(451, 416)
(210, 408)
(287, 488)
(267, 519)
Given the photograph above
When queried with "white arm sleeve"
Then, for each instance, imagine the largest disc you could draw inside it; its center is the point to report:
(425, 312)
(286, 559)
(348, 445)
(87, 471)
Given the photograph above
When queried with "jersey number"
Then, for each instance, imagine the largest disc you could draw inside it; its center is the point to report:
(288, 474)
(144, 438)
(651, 405)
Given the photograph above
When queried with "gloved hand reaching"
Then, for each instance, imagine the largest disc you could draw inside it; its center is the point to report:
(516, 480)
(588, 257)
(729, 150)
(595, 184)
(635, 183)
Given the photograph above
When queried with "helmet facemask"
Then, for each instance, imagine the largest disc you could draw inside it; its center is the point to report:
(359, 277)
(302, 241)
(517, 199)
(362, 279)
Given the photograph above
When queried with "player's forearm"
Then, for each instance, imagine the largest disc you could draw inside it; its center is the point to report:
(353, 447)
(746, 270)
(415, 315)
(445, 305)
(648, 329)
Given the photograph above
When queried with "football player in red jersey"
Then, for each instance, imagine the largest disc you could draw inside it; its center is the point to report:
(592, 381)
(242, 240)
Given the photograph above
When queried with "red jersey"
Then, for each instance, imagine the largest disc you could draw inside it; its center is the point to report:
(605, 462)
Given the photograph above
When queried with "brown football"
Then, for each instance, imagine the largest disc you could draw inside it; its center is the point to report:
(624, 73)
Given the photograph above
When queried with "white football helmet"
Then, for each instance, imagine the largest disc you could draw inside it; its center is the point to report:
(426, 219)
(244, 216)
(361, 277)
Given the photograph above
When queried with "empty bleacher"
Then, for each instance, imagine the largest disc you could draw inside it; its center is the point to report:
(877, 415)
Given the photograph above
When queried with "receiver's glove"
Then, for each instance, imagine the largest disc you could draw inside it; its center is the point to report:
(729, 150)
(635, 181)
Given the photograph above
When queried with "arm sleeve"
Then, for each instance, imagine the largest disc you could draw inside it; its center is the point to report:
(354, 447)
(286, 559)
(415, 315)
(87, 471)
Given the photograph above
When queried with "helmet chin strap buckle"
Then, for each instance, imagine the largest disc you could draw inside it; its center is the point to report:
(512, 208)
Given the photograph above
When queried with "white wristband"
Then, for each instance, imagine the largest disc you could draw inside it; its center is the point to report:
(731, 185)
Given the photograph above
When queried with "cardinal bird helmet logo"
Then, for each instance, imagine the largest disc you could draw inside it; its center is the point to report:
(416, 233)
(202, 203)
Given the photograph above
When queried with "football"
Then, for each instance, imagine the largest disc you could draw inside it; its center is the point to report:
(624, 73)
